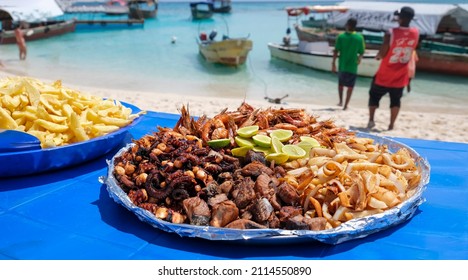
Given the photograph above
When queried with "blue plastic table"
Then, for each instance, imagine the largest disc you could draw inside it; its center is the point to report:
(68, 214)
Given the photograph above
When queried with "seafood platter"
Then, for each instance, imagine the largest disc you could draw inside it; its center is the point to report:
(267, 175)
(66, 126)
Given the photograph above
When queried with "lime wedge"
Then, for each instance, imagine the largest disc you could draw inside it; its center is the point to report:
(306, 146)
(243, 142)
(264, 150)
(247, 131)
(279, 158)
(276, 145)
(282, 134)
(262, 140)
(219, 143)
(311, 140)
(294, 151)
(240, 151)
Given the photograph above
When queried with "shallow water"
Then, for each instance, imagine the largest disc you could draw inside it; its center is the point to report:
(144, 59)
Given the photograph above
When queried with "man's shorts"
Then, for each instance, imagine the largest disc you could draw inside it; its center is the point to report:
(376, 93)
(346, 79)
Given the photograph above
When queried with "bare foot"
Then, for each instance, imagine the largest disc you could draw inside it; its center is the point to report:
(390, 127)
(370, 125)
(344, 108)
(339, 104)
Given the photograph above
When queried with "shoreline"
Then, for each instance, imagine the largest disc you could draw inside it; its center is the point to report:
(449, 127)
(410, 124)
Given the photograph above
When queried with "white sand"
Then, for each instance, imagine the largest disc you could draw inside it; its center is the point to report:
(410, 124)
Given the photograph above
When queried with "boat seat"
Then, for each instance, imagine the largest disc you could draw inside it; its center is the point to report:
(313, 46)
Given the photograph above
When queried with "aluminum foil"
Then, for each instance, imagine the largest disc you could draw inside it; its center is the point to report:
(353, 229)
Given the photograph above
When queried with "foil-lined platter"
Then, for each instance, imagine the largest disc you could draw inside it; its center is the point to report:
(346, 231)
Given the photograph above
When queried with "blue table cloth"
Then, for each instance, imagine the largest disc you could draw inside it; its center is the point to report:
(68, 214)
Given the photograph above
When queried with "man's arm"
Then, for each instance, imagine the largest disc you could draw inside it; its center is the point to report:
(384, 48)
(336, 52)
(335, 55)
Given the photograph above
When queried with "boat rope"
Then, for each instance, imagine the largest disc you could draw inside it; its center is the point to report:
(265, 86)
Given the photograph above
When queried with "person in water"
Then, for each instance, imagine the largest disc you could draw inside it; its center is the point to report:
(21, 42)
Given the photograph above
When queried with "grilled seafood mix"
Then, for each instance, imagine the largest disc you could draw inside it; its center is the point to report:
(178, 177)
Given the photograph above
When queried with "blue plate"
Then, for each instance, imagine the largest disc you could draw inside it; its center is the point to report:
(37, 161)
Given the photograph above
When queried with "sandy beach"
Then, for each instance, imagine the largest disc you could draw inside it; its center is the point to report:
(410, 124)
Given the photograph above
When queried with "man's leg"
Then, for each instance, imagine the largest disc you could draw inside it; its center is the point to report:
(393, 116)
(349, 92)
(340, 95)
(371, 123)
(395, 102)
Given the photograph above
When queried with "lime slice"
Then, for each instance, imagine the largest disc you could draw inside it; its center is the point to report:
(219, 143)
(262, 140)
(276, 145)
(306, 146)
(243, 142)
(311, 140)
(279, 158)
(240, 151)
(264, 150)
(247, 131)
(294, 151)
(282, 134)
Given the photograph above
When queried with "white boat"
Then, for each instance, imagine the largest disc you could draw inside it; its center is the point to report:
(443, 46)
(319, 55)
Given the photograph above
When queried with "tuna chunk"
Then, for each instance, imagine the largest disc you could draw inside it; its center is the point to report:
(288, 212)
(262, 185)
(224, 213)
(318, 223)
(244, 193)
(255, 168)
(212, 201)
(296, 222)
(288, 194)
(261, 210)
(197, 211)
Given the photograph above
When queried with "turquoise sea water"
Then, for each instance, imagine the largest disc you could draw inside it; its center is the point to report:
(144, 59)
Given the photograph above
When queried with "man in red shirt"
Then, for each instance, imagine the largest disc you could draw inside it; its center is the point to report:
(393, 75)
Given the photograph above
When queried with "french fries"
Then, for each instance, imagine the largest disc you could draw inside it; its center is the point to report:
(57, 115)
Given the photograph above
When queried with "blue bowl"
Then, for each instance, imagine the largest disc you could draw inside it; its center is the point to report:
(38, 161)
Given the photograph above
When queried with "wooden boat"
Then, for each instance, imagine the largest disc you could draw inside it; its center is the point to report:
(221, 6)
(38, 20)
(229, 51)
(141, 9)
(37, 31)
(201, 10)
(319, 55)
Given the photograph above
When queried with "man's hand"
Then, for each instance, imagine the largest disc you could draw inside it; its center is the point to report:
(333, 68)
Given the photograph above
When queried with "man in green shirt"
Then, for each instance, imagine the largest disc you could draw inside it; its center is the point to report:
(349, 47)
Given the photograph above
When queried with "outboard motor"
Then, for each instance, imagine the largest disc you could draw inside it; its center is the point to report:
(213, 35)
